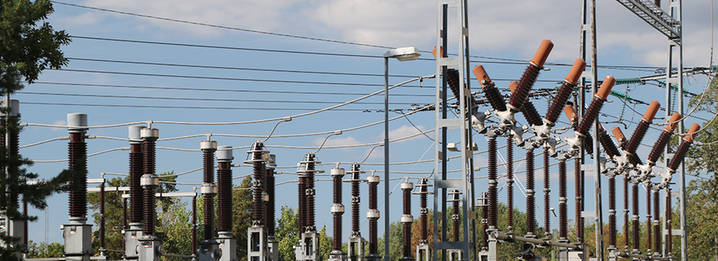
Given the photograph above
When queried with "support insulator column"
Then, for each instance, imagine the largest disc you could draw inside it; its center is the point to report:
(669, 223)
(77, 234)
(149, 181)
(224, 189)
(484, 204)
(546, 191)
(563, 197)
(635, 222)
(510, 184)
(612, 211)
(308, 170)
(579, 199)
(337, 210)
(530, 192)
(259, 171)
(407, 220)
(151, 248)
(269, 212)
(136, 171)
(209, 189)
(455, 216)
(625, 214)
(373, 215)
(656, 223)
(493, 201)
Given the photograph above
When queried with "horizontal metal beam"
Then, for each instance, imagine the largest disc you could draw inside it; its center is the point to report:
(654, 16)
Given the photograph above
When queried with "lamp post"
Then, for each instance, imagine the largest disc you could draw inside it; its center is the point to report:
(401, 54)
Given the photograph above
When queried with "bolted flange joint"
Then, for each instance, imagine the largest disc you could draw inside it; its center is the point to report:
(407, 218)
(149, 133)
(337, 209)
(149, 180)
(224, 154)
(208, 189)
(337, 172)
(208, 145)
(372, 214)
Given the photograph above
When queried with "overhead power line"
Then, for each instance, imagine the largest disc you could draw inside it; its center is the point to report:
(93, 85)
(196, 99)
(190, 107)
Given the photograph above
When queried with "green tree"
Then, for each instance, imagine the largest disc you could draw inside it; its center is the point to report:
(27, 47)
(287, 233)
(44, 250)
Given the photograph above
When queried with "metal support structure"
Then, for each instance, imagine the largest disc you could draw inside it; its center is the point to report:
(462, 123)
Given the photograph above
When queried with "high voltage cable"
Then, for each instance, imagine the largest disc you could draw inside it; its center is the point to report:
(255, 80)
(213, 90)
(191, 107)
(498, 60)
(196, 99)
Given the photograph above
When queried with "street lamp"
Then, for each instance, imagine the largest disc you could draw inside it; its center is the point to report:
(402, 54)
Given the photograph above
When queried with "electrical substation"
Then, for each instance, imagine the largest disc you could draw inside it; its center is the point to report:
(463, 223)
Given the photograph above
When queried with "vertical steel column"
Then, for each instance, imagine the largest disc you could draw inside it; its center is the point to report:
(270, 210)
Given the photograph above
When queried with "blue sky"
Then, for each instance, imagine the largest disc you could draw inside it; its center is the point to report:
(225, 91)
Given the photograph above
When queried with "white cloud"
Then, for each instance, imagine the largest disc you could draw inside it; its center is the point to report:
(339, 141)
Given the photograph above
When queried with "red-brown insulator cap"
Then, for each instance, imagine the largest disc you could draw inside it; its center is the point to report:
(620, 138)
(606, 87)
(651, 112)
(513, 85)
(570, 113)
(578, 67)
(692, 132)
(433, 51)
(542, 53)
(600, 128)
(481, 75)
(673, 122)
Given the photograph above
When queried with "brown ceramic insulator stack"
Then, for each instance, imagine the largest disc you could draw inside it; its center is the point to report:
(562, 209)
(635, 224)
(591, 114)
(224, 196)
(489, 88)
(208, 178)
(648, 217)
(194, 224)
(493, 95)
(302, 187)
(259, 172)
(484, 220)
(625, 213)
(373, 183)
(530, 113)
(510, 183)
(337, 208)
(149, 191)
(355, 199)
(424, 191)
(77, 150)
(530, 201)
(309, 208)
(529, 76)
(546, 191)
(669, 222)
(675, 162)
(492, 183)
(579, 199)
(612, 211)
(564, 92)
(269, 213)
(136, 168)
(659, 146)
(455, 216)
(656, 222)
(407, 220)
(608, 145)
(452, 78)
(637, 136)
